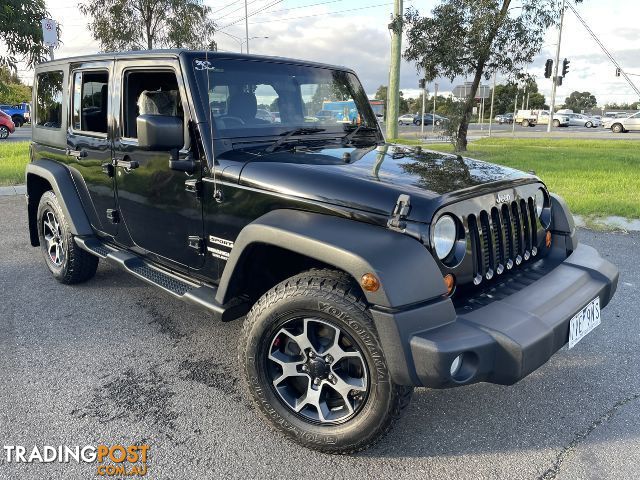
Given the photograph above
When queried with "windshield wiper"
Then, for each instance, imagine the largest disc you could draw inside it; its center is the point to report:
(346, 140)
(287, 135)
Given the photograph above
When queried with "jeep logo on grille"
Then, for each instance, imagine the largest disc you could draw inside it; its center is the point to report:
(503, 197)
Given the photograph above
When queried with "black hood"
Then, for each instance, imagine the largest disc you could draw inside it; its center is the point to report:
(371, 179)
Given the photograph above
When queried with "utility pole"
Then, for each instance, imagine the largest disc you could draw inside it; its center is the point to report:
(246, 24)
(493, 97)
(515, 113)
(393, 92)
(435, 94)
(555, 70)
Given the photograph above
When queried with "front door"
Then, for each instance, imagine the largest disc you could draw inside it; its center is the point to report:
(161, 217)
(88, 143)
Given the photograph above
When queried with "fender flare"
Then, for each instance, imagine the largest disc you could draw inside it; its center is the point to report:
(59, 177)
(407, 272)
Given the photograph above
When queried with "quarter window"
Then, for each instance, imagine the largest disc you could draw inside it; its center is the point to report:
(49, 99)
(90, 100)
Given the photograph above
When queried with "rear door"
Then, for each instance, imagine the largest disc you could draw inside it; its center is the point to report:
(633, 122)
(158, 207)
(88, 141)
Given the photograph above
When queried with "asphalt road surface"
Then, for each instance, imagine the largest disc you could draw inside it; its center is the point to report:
(117, 361)
(21, 134)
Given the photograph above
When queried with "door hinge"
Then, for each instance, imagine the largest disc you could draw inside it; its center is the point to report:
(194, 186)
(400, 212)
(197, 243)
(113, 215)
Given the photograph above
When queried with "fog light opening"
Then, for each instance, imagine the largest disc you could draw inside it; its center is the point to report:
(464, 367)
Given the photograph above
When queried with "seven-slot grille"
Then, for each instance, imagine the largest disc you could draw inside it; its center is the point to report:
(502, 237)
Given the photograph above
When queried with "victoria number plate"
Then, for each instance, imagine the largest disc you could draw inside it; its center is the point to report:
(584, 321)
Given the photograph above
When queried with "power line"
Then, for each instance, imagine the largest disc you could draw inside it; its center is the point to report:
(225, 7)
(241, 7)
(252, 14)
(325, 14)
(606, 52)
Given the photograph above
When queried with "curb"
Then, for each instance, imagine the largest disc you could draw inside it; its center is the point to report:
(13, 190)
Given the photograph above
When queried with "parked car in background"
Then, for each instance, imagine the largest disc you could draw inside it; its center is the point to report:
(430, 119)
(580, 120)
(621, 125)
(6, 125)
(20, 114)
(407, 119)
(276, 117)
(265, 115)
(504, 118)
(531, 118)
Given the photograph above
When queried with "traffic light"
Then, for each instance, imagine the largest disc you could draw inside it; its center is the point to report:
(547, 68)
(617, 71)
(565, 67)
(422, 83)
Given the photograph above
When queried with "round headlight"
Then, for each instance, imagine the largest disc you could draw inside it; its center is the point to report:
(444, 236)
(540, 201)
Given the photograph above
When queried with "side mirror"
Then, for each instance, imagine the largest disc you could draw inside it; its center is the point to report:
(160, 132)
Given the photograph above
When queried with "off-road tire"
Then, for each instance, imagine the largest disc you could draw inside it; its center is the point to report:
(77, 265)
(333, 297)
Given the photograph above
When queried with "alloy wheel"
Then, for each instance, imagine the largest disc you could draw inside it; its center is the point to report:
(4, 132)
(53, 237)
(317, 370)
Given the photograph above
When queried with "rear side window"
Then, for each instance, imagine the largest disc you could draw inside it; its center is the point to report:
(90, 99)
(49, 99)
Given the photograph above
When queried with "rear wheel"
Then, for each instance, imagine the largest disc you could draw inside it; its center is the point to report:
(17, 121)
(588, 124)
(617, 128)
(4, 132)
(314, 365)
(66, 261)
(525, 123)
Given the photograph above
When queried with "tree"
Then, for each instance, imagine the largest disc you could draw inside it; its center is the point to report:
(579, 101)
(477, 38)
(21, 32)
(148, 24)
(622, 106)
(12, 90)
(506, 95)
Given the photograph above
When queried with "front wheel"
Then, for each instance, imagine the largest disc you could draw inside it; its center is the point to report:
(588, 124)
(314, 366)
(556, 123)
(525, 123)
(66, 261)
(4, 132)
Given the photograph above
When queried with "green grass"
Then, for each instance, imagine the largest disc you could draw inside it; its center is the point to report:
(14, 157)
(596, 177)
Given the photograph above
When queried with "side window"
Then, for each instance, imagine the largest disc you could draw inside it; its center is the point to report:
(49, 99)
(90, 99)
(149, 93)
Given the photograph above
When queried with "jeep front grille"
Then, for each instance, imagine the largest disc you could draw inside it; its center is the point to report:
(502, 238)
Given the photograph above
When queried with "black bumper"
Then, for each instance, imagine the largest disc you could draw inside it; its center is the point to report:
(502, 341)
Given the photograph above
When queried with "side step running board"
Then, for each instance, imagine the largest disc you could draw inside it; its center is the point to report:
(199, 294)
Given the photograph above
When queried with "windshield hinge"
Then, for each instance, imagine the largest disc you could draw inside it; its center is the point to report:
(400, 212)
(194, 186)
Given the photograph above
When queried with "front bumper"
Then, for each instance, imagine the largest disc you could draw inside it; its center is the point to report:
(503, 340)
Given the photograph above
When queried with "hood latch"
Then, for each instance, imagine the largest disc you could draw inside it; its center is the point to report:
(400, 212)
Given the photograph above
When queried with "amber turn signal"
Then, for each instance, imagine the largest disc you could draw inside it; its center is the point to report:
(547, 239)
(370, 282)
(449, 283)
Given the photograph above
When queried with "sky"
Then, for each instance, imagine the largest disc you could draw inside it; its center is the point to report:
(354, 33)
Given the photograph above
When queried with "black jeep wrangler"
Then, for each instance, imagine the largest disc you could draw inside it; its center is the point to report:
(363, 269)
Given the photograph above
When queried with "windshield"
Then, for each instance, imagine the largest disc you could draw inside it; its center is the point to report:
(249, 99)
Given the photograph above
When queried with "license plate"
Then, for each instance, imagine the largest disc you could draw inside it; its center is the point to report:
(584, 321)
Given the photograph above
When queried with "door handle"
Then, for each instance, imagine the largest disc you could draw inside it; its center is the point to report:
(76, 153)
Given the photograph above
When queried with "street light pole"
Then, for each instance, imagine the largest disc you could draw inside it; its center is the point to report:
(246, 24)
(393, 92)
(433, 118)
(555, 70)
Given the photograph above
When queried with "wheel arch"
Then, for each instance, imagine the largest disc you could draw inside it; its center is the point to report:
(44, 175)
(406, 270)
